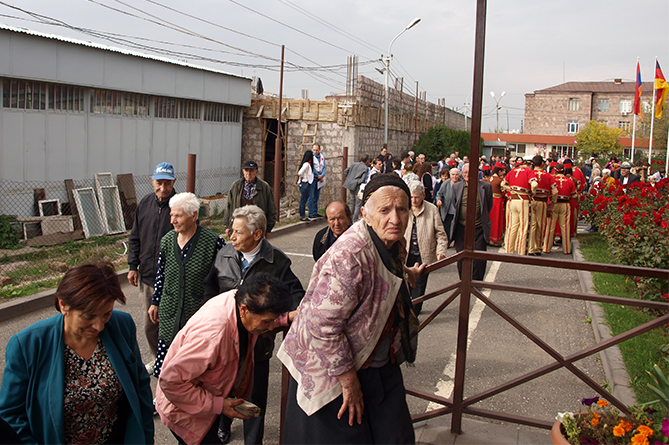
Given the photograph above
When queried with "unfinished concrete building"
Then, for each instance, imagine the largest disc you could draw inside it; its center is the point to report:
(355, 120)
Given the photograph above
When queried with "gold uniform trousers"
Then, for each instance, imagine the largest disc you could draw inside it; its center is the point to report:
(561, 214)
(537, 226)
(517, 222)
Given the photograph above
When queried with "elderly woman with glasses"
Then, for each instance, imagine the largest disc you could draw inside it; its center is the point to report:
(425, 237)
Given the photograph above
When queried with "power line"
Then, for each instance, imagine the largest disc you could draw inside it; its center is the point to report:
(330, 25)
(287, 26)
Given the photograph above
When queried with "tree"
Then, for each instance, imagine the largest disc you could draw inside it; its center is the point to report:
(441, 140)
(598, 140)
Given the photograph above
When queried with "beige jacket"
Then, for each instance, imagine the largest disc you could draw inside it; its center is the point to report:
(432, 239)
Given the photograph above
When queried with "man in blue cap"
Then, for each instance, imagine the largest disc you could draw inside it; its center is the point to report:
(152, 222)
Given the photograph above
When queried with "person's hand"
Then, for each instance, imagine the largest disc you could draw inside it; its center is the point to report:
(440, 257)
(291, 316)
(413, 273)
(228, 232)
(229, 411)
(352, 395)
(153, 314)
(549, 213)
(133, 277)
(439, 203)
(266, 235)
(320, 178)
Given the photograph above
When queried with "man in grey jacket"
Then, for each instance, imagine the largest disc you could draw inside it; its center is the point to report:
(354, 176)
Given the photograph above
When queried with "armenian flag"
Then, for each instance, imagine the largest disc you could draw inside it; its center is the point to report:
(637, 93)
(661, 90)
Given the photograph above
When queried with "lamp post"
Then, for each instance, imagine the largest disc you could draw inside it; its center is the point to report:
(387, 70)
(497, 108)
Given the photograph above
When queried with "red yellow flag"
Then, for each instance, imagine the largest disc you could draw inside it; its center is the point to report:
(661, 90)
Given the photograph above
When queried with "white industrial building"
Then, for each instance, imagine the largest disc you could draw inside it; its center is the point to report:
(71, 109)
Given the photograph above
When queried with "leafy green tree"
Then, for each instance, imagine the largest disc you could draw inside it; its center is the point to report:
(598, 140)
(441, 140)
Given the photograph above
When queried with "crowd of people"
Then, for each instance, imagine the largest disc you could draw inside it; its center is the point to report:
(213, 308)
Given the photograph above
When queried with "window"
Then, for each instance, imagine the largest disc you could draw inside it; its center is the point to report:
(135, 105)
(574, 104)
(625, 105)
(166, 107)
(624, 126)
(222, 113)
(572, 127)
(520, 150)
(189, 109)
(603, 105)
(106, 102)
(24, 94)
(564, 150)
(66, 98)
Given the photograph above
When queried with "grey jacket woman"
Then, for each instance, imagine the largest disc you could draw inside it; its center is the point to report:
(444, 194)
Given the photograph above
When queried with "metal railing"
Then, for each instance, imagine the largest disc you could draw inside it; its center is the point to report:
(458, 404)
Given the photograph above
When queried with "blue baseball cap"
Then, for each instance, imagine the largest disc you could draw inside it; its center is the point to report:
(164, 170)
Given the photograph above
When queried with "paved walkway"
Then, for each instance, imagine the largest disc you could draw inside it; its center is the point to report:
(497, 352)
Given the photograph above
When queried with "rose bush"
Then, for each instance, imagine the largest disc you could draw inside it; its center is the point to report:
(635, 222)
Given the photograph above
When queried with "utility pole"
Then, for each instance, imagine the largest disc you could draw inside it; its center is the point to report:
(277, 146)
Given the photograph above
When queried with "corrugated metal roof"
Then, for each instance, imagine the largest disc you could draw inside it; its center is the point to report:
(598, 87)
(114, 49)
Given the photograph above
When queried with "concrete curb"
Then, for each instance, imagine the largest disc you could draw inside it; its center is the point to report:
(612, 359)
(30, 303)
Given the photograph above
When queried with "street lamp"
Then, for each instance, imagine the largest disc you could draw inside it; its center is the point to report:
(497, 108)
(387, 60)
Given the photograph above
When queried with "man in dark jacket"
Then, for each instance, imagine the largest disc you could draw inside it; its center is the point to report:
(152, 222)
(626, 178)
(339, 220)
(249, 253)
(250, 190)
(354, 176)
(481, 222)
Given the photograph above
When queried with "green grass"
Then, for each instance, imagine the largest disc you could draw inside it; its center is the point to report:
(642, 352)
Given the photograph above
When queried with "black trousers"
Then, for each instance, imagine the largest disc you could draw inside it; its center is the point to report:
(385, 419)
(254, 428)
(478, 267)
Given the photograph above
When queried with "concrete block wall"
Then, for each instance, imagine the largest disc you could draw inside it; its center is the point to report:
(372, 93)
(251, 140)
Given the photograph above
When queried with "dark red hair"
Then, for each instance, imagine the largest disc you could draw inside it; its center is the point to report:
(88, 286)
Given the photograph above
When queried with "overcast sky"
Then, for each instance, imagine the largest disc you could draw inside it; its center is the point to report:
(530, 44)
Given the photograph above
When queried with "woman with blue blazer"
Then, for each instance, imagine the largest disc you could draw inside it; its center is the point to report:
(78, 377)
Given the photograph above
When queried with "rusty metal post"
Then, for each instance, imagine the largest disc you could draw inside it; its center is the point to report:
(472, 191)
(277, 148)
(190, 178)
(344, 166)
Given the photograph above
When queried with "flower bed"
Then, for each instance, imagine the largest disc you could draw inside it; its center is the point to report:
(635, 222)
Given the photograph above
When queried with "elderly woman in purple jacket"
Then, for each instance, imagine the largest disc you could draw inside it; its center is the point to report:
(353, 329)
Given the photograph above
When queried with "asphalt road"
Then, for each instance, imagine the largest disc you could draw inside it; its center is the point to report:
(497, 352)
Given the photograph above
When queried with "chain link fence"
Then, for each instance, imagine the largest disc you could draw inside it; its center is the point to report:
(46, 227)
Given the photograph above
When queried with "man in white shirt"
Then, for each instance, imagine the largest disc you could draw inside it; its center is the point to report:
(319, 181)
